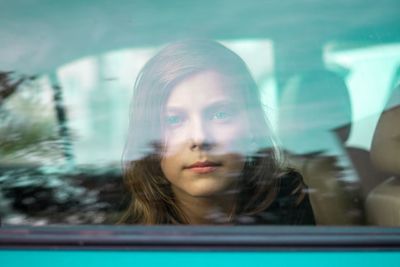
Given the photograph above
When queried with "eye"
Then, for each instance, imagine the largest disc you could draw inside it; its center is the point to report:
(221, 115)
(174, 120)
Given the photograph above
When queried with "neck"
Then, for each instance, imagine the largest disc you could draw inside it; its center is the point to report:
(206, 210)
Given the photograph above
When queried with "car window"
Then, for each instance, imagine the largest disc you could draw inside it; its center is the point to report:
(305, 135)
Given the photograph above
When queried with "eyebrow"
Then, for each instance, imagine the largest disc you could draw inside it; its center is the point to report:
(217, 105)
(213, 104)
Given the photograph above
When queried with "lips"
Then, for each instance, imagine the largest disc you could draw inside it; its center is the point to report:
(203, 167)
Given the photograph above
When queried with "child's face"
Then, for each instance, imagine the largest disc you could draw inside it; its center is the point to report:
(206, 132)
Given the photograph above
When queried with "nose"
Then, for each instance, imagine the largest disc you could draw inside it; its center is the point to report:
(200, 136)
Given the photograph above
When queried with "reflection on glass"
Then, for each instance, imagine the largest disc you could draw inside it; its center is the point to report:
(325, 118)
(36, 185)
(313, 104)
(28, 125)
(383, 202)
(199, 148)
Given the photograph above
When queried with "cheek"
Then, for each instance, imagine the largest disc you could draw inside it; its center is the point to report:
(233, 138)
(234, 164)
(169, 167)
(174, 143)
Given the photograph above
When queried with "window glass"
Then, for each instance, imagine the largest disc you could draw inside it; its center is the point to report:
(144, 113)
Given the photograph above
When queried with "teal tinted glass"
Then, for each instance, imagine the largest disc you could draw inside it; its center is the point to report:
(309, 123)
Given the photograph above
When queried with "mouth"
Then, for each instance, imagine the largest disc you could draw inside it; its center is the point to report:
(204, 167)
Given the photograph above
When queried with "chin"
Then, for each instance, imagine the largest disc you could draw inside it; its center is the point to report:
(209, 189)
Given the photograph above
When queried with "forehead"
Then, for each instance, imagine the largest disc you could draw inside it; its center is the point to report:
(202, 89)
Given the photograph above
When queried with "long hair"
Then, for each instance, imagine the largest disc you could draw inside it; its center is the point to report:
(152, 199)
